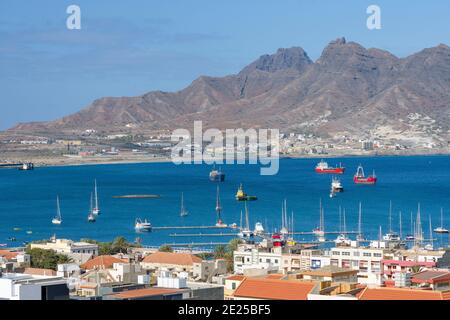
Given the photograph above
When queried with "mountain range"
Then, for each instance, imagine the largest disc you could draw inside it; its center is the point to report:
(349, 90)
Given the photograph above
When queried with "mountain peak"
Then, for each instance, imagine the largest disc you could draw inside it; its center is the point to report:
(285, 58)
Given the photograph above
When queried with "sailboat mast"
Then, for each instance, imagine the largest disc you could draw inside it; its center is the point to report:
(96, 196)
(345, 227)
(247, 223)
(400, 223)
(442, 218)
(360, 221)
(218, 207)
(390, 216)
(58, 210)
(431, 231)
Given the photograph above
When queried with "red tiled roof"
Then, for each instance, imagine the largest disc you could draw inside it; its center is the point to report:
(40, 272)
(274, 276)
(103, 262)
(402, 294)
(431, 276)
(184, 259)
(236, 278)
(8, 255)
(140, 293)
(274, 289)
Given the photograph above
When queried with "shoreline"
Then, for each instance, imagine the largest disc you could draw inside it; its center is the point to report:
(65, 162)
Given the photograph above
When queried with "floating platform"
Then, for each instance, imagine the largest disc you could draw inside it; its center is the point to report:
(138, 196)
(203, 235)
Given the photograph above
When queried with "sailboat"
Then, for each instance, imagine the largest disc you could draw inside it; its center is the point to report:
(391, 235)
(430, 246)
(342, 239)
(96, 209)
(360, 236)
(220, 223)
(91, 216)
(57, 219)
(245, 232)
(284, 228)
(441, 229)
(183, 211)
(320, 231)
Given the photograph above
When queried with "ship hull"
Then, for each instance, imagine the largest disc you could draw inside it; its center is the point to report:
(368, 181)
(330, 171)
(217, 178)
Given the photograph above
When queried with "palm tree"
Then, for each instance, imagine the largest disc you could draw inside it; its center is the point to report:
(165, 248)
(220, 252)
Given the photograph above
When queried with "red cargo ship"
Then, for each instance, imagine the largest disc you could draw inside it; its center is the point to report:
(322, 167)
(360, 178)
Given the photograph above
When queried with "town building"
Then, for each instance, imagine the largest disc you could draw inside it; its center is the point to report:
(17, 286)
(382, 293)
(80, 252)
(175, 262)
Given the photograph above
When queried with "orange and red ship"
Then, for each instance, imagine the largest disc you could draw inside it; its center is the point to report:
(323, 167)
(360, 178)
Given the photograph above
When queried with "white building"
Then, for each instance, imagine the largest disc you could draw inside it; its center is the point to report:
(248, 259)
(80, 252)
(17, 286)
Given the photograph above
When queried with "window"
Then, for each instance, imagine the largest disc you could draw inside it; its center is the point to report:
(378, 255)
(276, 260)
(356, 254)
(233, 286)
(336, 253)
(367, 254)
(345, 253)
(267, 260)
(248, 259)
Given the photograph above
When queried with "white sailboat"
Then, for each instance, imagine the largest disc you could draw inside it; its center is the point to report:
(391, 235)
(183, 211)
(91, 216)
(57, 219)
(220, 223)
(342, 239)
(96, 209)
(441, 229)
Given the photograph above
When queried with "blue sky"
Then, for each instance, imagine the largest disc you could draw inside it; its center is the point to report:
(131, 47)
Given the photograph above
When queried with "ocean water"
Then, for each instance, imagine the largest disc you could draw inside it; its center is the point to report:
(28, 198)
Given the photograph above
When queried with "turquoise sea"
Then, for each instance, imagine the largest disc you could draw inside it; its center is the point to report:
(28, 198)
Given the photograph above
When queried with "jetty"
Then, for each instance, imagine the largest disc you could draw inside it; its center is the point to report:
(138, 196)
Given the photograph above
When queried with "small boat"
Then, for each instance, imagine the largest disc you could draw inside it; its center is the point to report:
(183, 211)
(216, 175)
(96, 208)
(242, 196)
(17, 229)
(57, 219)
(360, 178)
(27, 166)
(342, 240)
(259, 229)
(3, 244)
(12, 239)
(441, 229)
(323, 167)
(29, 232)
(142, 225)
(91, 215)
(410, 237)
(336, 185)
(391, 236)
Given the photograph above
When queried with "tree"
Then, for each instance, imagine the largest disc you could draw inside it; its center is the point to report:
(220, 252)
(233, 244)
(46, 259)
(120, 244)
(165, 248)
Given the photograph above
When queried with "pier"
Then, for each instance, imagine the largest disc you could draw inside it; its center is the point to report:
(203, 235)
(189, 227)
